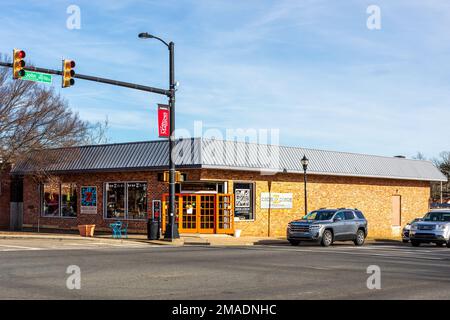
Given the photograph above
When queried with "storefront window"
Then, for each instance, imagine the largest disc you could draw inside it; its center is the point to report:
(137, 200)
(115, 200)
(243, 201)
(69, 200)
(126, 200)
(59, 200)
(50, 200)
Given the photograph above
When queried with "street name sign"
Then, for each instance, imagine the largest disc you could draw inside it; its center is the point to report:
(37, 77)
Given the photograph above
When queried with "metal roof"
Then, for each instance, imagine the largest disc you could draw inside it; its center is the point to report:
(228, 155)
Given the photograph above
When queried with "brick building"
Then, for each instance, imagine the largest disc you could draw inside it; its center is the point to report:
(227, 185)
(5, 196)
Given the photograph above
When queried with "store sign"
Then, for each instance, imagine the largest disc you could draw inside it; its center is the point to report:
(276, 200)
(88, 200)
(163, 121)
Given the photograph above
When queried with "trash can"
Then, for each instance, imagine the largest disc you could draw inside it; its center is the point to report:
(152, 229)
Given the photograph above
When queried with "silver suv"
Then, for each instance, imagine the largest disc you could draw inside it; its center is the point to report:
(434, 228)
(329, 225)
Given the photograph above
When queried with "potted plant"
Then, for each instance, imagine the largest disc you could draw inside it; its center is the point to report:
(86, 230)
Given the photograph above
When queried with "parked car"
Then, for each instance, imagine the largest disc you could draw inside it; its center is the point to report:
(434, 228)
(406, 228)
(328, 225)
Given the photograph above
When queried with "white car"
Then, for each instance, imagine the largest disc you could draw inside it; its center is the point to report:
(434, 228)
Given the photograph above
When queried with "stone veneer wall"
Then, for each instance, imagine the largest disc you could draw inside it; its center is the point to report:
(371, 195)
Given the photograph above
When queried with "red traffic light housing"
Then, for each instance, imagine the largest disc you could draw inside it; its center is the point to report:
(18, 63)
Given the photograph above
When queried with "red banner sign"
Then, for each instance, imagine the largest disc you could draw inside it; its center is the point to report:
(163, 121)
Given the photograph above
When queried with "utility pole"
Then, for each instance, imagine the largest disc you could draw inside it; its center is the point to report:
(172, 228)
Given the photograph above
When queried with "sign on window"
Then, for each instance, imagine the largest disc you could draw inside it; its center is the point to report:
(242, 198)
(88, 200)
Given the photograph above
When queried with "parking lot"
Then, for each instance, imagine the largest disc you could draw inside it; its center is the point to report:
(37, 270)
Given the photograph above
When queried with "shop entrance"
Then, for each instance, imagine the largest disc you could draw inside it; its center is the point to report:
(202, 213)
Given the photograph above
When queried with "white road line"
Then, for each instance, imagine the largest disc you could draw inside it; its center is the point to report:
(412, 254)
(19, 247)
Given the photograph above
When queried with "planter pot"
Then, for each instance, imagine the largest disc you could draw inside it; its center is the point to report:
(237, 233)
(86, 230)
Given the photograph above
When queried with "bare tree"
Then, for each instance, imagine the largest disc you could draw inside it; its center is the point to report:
(97, 133)
(34, 117)
(419, 156)
(442, 162)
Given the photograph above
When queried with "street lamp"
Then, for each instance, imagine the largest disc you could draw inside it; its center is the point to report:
(305, 162)
(171, 228)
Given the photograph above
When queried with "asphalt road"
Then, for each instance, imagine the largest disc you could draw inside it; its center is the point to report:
(37, 270)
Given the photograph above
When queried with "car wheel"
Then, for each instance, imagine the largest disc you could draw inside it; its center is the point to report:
(294, 242)
(405, 241)
(448, 244)
(415, 243)
(439, 244)
(327, 238)
(360, 237)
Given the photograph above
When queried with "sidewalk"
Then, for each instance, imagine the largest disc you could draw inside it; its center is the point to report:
(74, 237)
(185, 239)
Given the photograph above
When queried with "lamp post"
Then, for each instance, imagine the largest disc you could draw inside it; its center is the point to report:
(171, 228)
(305, 163)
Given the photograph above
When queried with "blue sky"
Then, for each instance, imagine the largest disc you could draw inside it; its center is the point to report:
(311, 69)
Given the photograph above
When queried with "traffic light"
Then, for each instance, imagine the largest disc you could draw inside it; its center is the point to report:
(68, 73)
(18, 63)
(165, 176)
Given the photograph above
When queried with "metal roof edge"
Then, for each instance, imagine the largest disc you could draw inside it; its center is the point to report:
(314, 149)
(136, 169)
(218, 167)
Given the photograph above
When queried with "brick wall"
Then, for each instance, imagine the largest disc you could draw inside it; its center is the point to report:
(372, 196)
(5, 182)
(32, 203)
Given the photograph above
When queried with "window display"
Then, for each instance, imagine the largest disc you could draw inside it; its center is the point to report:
(126, 200)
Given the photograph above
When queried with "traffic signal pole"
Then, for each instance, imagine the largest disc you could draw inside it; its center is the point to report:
(171, 227)
(96, 79)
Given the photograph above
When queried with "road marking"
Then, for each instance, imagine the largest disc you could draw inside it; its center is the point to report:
(78, 246)
(410, 254)
(18, 247)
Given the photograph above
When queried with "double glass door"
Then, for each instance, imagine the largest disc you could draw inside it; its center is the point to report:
(202, 213)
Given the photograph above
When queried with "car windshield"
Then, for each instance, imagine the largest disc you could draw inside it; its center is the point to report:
(320, 215)
(437, 216)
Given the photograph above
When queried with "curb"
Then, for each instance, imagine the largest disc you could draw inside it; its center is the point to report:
(63, 238)
(96, 239)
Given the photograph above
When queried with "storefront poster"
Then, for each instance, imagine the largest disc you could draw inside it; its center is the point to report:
(88, 200)
(242, 198)
(276, 200)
